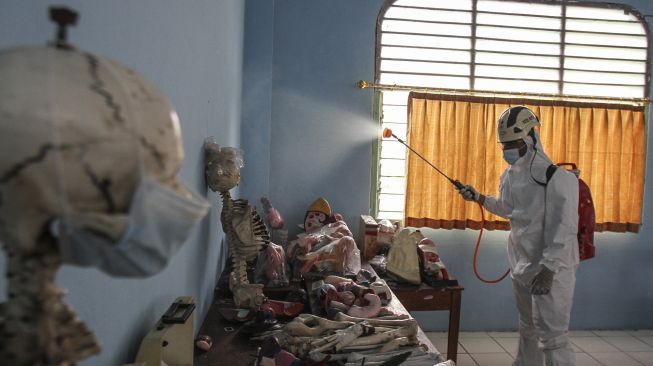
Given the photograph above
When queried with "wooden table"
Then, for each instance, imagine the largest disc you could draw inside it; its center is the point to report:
(230, 346)
(233, 348)
(426, 298)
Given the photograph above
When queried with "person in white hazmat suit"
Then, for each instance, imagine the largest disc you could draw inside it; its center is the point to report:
(542, 246)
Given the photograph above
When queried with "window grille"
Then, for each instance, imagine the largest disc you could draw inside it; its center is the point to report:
(549, 49)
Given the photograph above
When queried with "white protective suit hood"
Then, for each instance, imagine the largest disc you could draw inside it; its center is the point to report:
(522, 201)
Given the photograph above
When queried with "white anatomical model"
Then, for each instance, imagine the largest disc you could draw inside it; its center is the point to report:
(403, 261)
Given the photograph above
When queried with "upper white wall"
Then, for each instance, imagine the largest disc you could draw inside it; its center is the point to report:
(192, 51)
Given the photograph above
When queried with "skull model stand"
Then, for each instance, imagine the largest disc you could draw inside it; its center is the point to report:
(245, 231)
(63, 112)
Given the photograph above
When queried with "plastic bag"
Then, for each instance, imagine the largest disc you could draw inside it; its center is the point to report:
(271, 267)
(380, 264)
(331, 249)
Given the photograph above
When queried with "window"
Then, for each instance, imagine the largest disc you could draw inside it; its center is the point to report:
(581, 52)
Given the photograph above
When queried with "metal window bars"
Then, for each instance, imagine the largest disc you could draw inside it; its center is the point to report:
(586, 51)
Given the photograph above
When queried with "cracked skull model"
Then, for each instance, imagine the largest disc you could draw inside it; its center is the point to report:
(88, 151)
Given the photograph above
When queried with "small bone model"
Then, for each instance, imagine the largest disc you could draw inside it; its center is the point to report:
(318, 338)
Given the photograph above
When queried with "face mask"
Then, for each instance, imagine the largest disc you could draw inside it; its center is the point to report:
(511, 156)
(159, 223)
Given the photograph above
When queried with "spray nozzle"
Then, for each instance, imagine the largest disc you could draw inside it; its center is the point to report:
(387, 133)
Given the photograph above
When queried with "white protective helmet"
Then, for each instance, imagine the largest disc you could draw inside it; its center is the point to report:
(515, 123)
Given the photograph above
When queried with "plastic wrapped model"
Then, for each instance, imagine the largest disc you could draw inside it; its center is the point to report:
(429, 259)
(245, 231)
(403, 261)
(326, 246)
(271, 266)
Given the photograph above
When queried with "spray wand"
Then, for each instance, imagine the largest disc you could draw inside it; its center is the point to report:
(387, 133)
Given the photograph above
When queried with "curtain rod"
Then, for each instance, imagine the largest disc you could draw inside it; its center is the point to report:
(362, 84)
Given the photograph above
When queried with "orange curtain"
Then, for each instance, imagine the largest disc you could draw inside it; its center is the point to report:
(458, 134)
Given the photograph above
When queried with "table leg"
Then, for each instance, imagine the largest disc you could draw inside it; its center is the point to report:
(454, 323)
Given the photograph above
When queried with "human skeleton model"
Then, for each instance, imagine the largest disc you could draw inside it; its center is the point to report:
(77, 135)
(246, 233)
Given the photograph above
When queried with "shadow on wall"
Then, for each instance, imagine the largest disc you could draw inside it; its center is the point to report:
(324, 150)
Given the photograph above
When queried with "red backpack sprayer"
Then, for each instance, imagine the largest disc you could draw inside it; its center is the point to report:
(387, 133)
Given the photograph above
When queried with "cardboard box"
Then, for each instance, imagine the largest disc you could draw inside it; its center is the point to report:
(368, 234)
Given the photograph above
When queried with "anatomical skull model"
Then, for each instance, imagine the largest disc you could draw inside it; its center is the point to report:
(246, 233)
(79, 136)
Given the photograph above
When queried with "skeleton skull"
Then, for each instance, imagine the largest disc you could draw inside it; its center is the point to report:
(78, 132)
(222, 166)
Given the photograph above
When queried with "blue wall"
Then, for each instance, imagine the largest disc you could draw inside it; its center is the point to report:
(307, 131)
(321, 133)
(257, 99)
(194, 54)
(321, 127)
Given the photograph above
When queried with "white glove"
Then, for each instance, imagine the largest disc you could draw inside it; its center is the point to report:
(541, 283)
(469, 193)
(446, 363)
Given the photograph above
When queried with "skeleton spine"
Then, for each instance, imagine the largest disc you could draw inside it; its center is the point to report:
(226, 217)
(36, 326)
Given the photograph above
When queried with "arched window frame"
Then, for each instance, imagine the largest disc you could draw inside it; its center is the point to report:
(384, 109)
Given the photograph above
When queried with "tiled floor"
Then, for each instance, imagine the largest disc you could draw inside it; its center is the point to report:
(593, 348)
